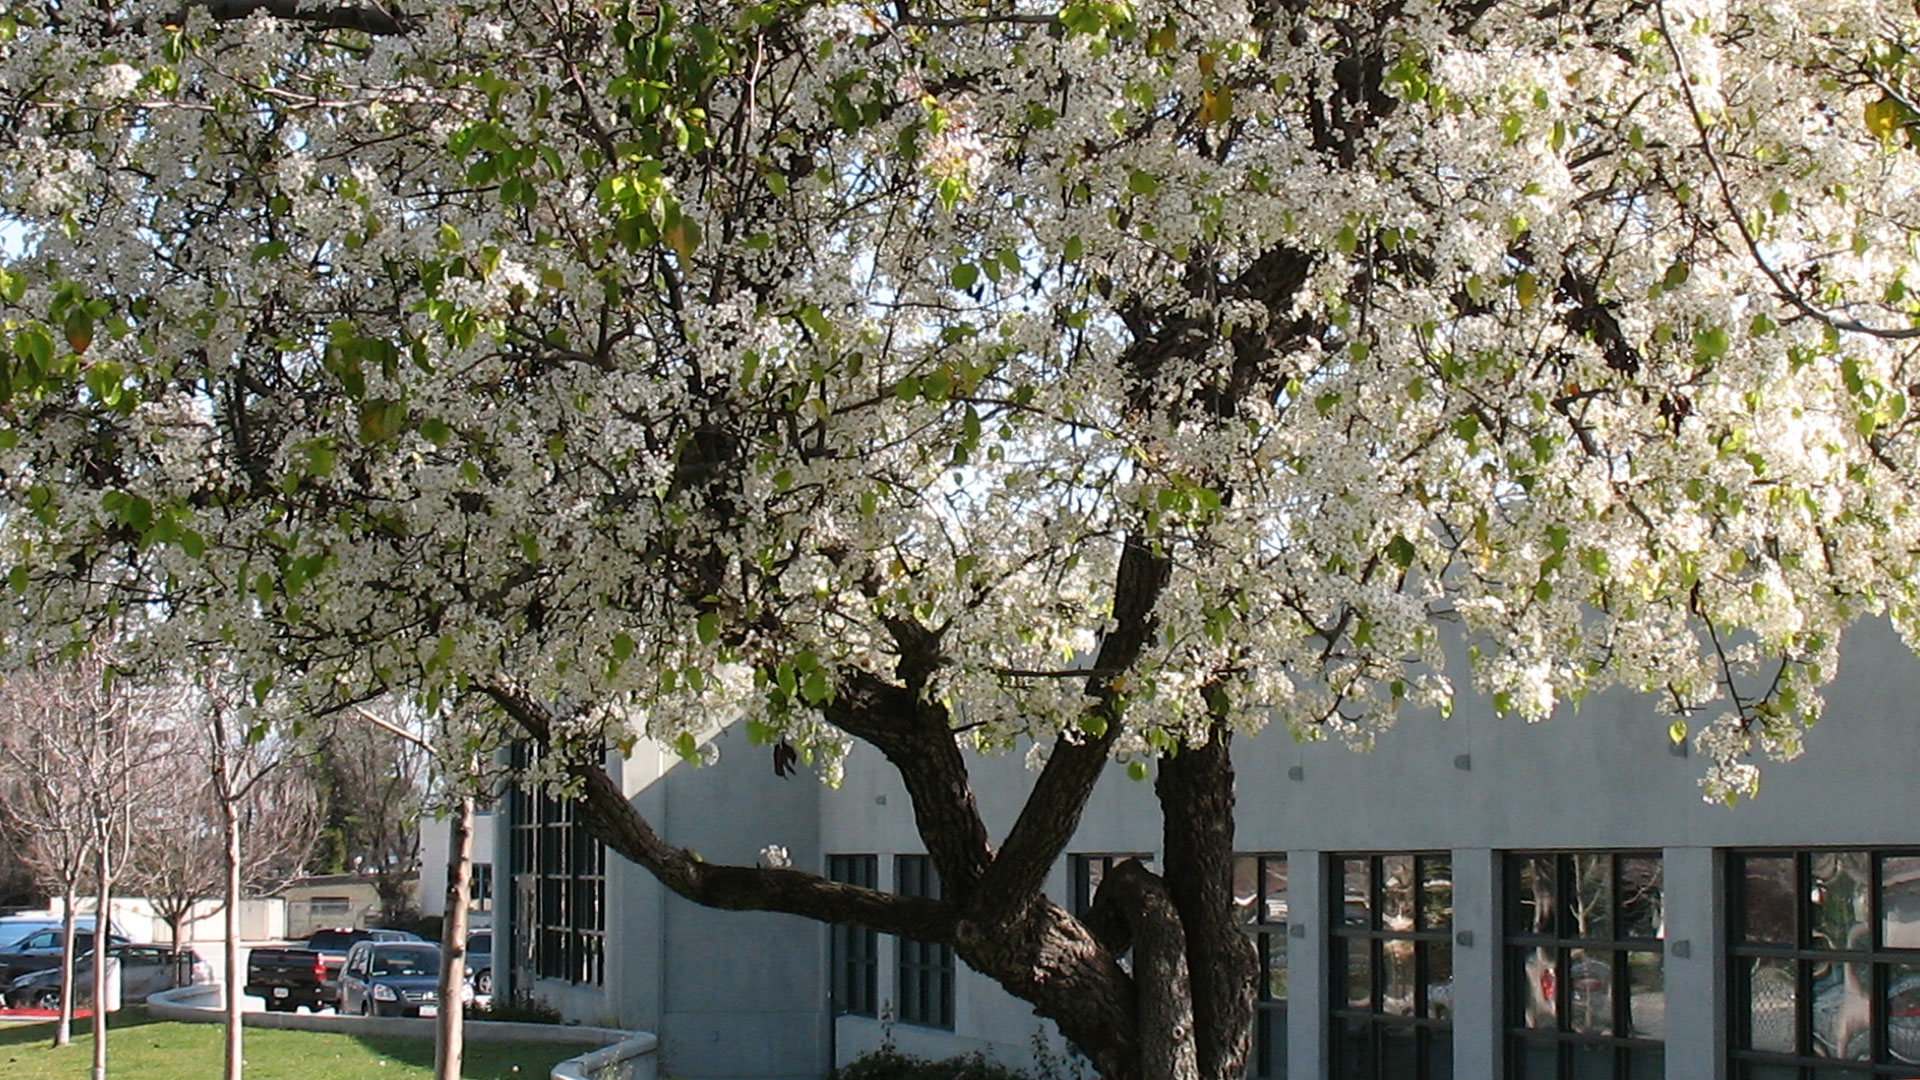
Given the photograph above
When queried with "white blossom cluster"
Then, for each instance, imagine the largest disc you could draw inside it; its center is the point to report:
(683, 368)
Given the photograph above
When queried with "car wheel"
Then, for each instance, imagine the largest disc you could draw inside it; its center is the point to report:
(47, 999)
(483, 981)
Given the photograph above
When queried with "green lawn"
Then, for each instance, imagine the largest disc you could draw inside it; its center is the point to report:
(142, 1049)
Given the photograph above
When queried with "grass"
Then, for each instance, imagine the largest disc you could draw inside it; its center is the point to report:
(140, 1048)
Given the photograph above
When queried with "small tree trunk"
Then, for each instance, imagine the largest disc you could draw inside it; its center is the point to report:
(103, 903)
(230, 996)
(63, 1030)
(448, 1048)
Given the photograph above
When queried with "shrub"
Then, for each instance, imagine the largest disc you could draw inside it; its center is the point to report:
(889, 1064)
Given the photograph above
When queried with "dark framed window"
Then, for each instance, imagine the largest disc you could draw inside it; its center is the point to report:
(1825, 947)
(1586, 990)
(480, 896)
(854, 950)
(925, 969)
(1391, 958)
(1088, 871)
(561, 872)
(1260, 902)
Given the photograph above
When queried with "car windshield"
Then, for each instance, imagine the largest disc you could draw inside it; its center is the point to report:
(335, 940)
(405, 962)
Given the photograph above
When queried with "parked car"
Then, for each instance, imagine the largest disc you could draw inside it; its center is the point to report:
(15, 927)
(144, 970)
(41, 950)
(309, 974)
(383, 978)
(480, 961)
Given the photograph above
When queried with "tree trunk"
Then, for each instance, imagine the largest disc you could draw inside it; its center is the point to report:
(235, 973)
(450, 1032)
(63, 1029)
(1195, 787)
(103, 903)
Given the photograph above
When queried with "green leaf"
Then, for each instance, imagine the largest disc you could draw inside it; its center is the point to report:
(1677, 731)
(1709, 343)
(1401, 552)
(814, 688)
(708, 627)
(685, 745)
(623, 646)
(963, 276)
(1136, 770)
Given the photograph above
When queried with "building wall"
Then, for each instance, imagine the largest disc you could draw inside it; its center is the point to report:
(743, 995)
(436, 835)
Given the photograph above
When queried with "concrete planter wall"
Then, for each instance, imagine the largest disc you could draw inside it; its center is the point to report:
(619, 1055)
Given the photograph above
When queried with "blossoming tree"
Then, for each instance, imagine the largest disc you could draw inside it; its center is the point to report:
(1107, 377)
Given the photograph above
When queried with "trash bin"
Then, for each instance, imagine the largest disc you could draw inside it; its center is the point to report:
(112, 1003)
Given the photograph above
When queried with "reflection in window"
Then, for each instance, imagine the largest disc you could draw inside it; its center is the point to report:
(1586, 991)
(1260, 901)
(1392, 965)
(1826, 965)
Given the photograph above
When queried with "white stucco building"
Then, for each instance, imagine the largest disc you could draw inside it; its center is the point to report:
(1476, 898)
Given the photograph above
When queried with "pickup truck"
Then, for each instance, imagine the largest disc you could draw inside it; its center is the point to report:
(308, 975)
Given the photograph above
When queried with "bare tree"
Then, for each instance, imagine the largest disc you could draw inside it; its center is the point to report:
(269, 819)
(180, 861)
(372, 784)
(43, 744)
(86, 760)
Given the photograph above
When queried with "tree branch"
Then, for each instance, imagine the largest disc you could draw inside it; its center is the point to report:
(370, 18)
(613, 821)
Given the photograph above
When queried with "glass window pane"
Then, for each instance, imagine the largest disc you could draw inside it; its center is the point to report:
(1589, 992)
(1903, 1012)
(1359, 973)
(1536, 995)
(1357, 891)
(1647, 1063)
(1592, 1062)
(1399, 1051)
(1593, 897)
(1900, 902)
(1274, 890)
(1439, 988)
(1273, 951)
(1439, 1054)
(1436, 892)
(1396, 978)
(1837, 895)
(1768, 891)
(1396, 893)
(1842, 1012)
(1642, 910)
(1531, 911)
(1771, 1003)
(1534, 1060)
(1353, 1050)
(1646, 995)
(1245, 881)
